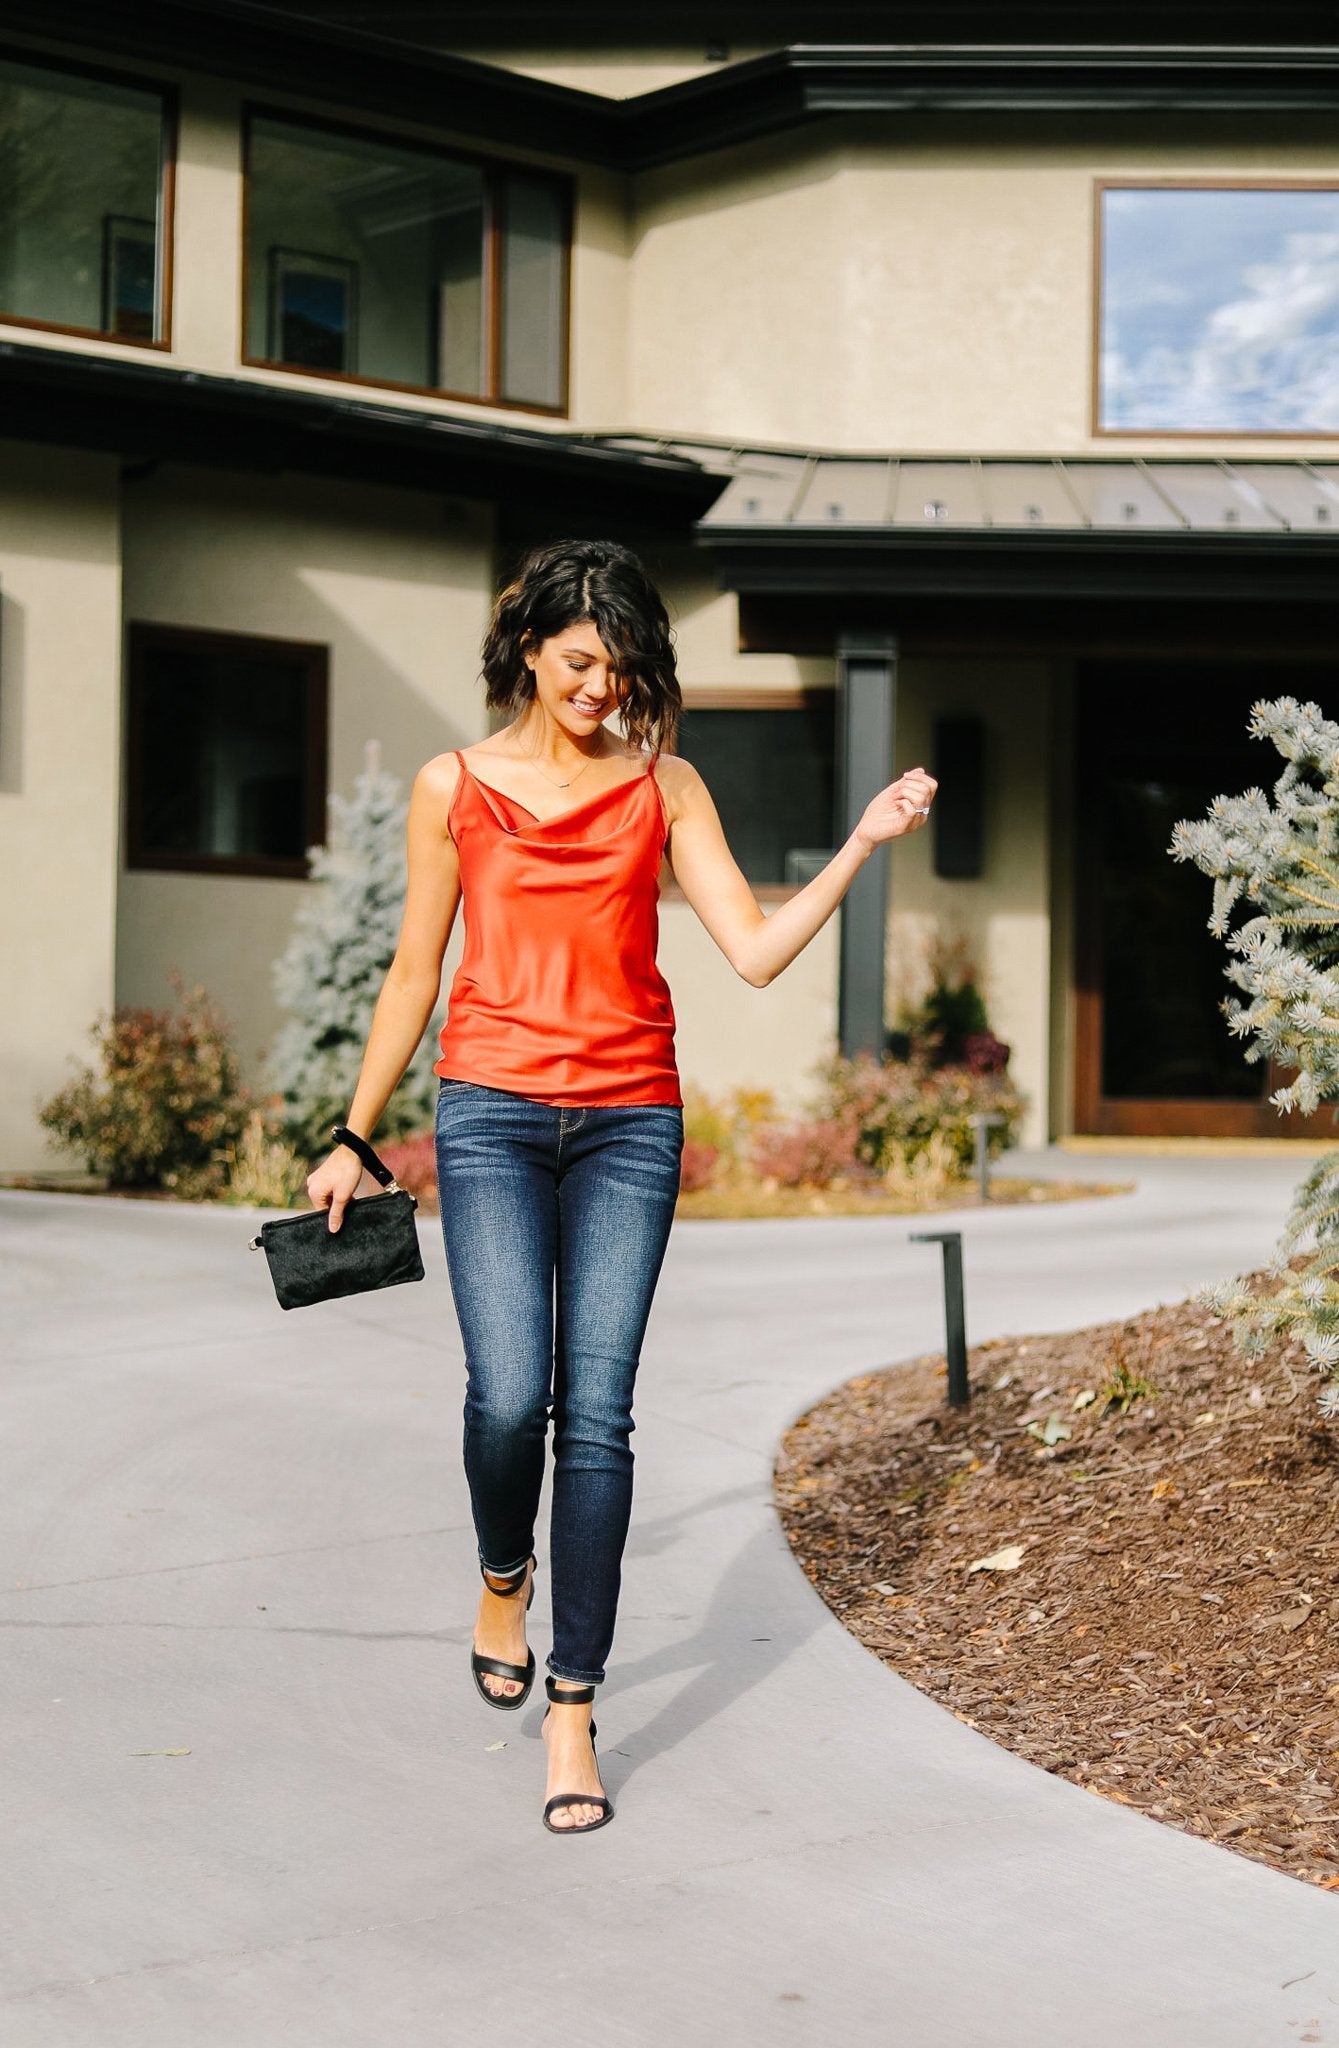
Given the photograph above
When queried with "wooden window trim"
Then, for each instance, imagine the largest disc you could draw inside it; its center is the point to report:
(169, 100)
(1101, 186)
(737, 697)
(495, 170)
(314, 657)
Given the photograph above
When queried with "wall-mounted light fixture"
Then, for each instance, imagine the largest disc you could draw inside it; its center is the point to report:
(957, 816)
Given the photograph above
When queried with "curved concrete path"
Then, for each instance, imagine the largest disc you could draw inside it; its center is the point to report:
(245, 1535)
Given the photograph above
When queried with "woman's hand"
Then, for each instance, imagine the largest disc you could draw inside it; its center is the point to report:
(335, 1183)
(902, 807)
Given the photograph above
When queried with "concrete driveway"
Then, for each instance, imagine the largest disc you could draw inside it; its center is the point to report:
(245, 1535)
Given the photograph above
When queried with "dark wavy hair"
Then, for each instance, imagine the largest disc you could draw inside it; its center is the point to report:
(575, 582)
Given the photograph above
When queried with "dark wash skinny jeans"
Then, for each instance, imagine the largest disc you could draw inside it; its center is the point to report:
(555, 1222)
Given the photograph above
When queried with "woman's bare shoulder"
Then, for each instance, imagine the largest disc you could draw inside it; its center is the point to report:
(679, 781)
(439, 776)
(434, 792)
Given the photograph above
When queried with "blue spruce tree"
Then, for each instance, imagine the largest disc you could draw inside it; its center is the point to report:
(1280, 859)
(331, 972)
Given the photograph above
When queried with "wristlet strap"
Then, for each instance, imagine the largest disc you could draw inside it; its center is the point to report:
(378, 1168)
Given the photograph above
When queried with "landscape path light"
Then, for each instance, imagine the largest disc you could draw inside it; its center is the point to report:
(982, 1123)
(955, 1322)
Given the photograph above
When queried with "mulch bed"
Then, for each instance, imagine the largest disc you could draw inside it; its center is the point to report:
(1170, 1637)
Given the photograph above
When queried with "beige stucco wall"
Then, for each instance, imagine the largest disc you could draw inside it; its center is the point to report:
(59, 748)
(906, 283)
(395, 583)
(1003, 920)
(733, 1036)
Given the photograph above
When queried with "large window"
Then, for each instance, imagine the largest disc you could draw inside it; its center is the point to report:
(85, 186)
(227, 746)
(401, 266)
(1219, 309)
(767, 758)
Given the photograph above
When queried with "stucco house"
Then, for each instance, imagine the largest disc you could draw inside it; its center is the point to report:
(970, 387)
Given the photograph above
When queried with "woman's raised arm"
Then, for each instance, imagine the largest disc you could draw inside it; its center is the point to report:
(759, 947)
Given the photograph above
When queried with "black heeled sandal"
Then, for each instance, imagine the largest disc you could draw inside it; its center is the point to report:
(494, 1667)
(574, 1696)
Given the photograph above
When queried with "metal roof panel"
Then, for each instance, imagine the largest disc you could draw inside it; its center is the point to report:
(1029, 494)
(762, 491)
(842, 493)
(937, 494)
(1120, 495)
(1299, 498)
(1212, 497)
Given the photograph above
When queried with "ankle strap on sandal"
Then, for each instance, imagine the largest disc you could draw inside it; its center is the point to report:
(512, 1582)
(571, 1695)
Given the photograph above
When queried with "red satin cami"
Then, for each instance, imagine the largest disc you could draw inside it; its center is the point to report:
(558, 996)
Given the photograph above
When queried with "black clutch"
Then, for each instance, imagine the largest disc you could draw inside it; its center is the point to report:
(375, 1246)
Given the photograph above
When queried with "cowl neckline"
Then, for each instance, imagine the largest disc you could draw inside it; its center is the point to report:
(537, 824)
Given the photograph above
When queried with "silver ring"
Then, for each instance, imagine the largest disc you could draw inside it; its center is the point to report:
(923, 811)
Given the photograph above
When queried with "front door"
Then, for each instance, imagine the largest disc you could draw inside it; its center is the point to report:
(1156, 742)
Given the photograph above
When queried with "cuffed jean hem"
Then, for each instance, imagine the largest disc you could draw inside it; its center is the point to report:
(573, 1677)
(504, 1571)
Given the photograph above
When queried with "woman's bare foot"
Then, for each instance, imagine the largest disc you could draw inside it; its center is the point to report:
(500, 1632)
(572, 1765)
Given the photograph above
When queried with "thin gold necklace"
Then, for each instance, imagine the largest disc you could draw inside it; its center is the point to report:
(571, 778)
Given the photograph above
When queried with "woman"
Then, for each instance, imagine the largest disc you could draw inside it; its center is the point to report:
(559, 1120)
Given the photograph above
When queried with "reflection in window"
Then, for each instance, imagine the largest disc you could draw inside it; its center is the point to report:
(534, 265)
(770, 773)
(81, 202)
(1220, 311)
(227, 751)
(371, 260)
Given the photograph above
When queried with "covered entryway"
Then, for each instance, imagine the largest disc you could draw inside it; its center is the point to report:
(1154, 601)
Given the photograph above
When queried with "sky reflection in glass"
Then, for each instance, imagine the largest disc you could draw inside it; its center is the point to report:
(1220, 311)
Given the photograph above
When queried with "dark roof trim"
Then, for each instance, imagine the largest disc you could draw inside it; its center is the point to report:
(149, 414)
(267, 48)
(773, 92)
(1014, 565)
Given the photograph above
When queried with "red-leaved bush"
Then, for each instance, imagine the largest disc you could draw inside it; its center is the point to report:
(413, 1161)
(983, 1053)
(163, 1105)
(897, 1106)
(698, 1166)
(811, 1154)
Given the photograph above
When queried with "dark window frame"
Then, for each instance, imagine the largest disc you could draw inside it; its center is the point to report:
(495, 171)
(169, 98)
(711, 697)
(1157, 183)
(314, 658)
